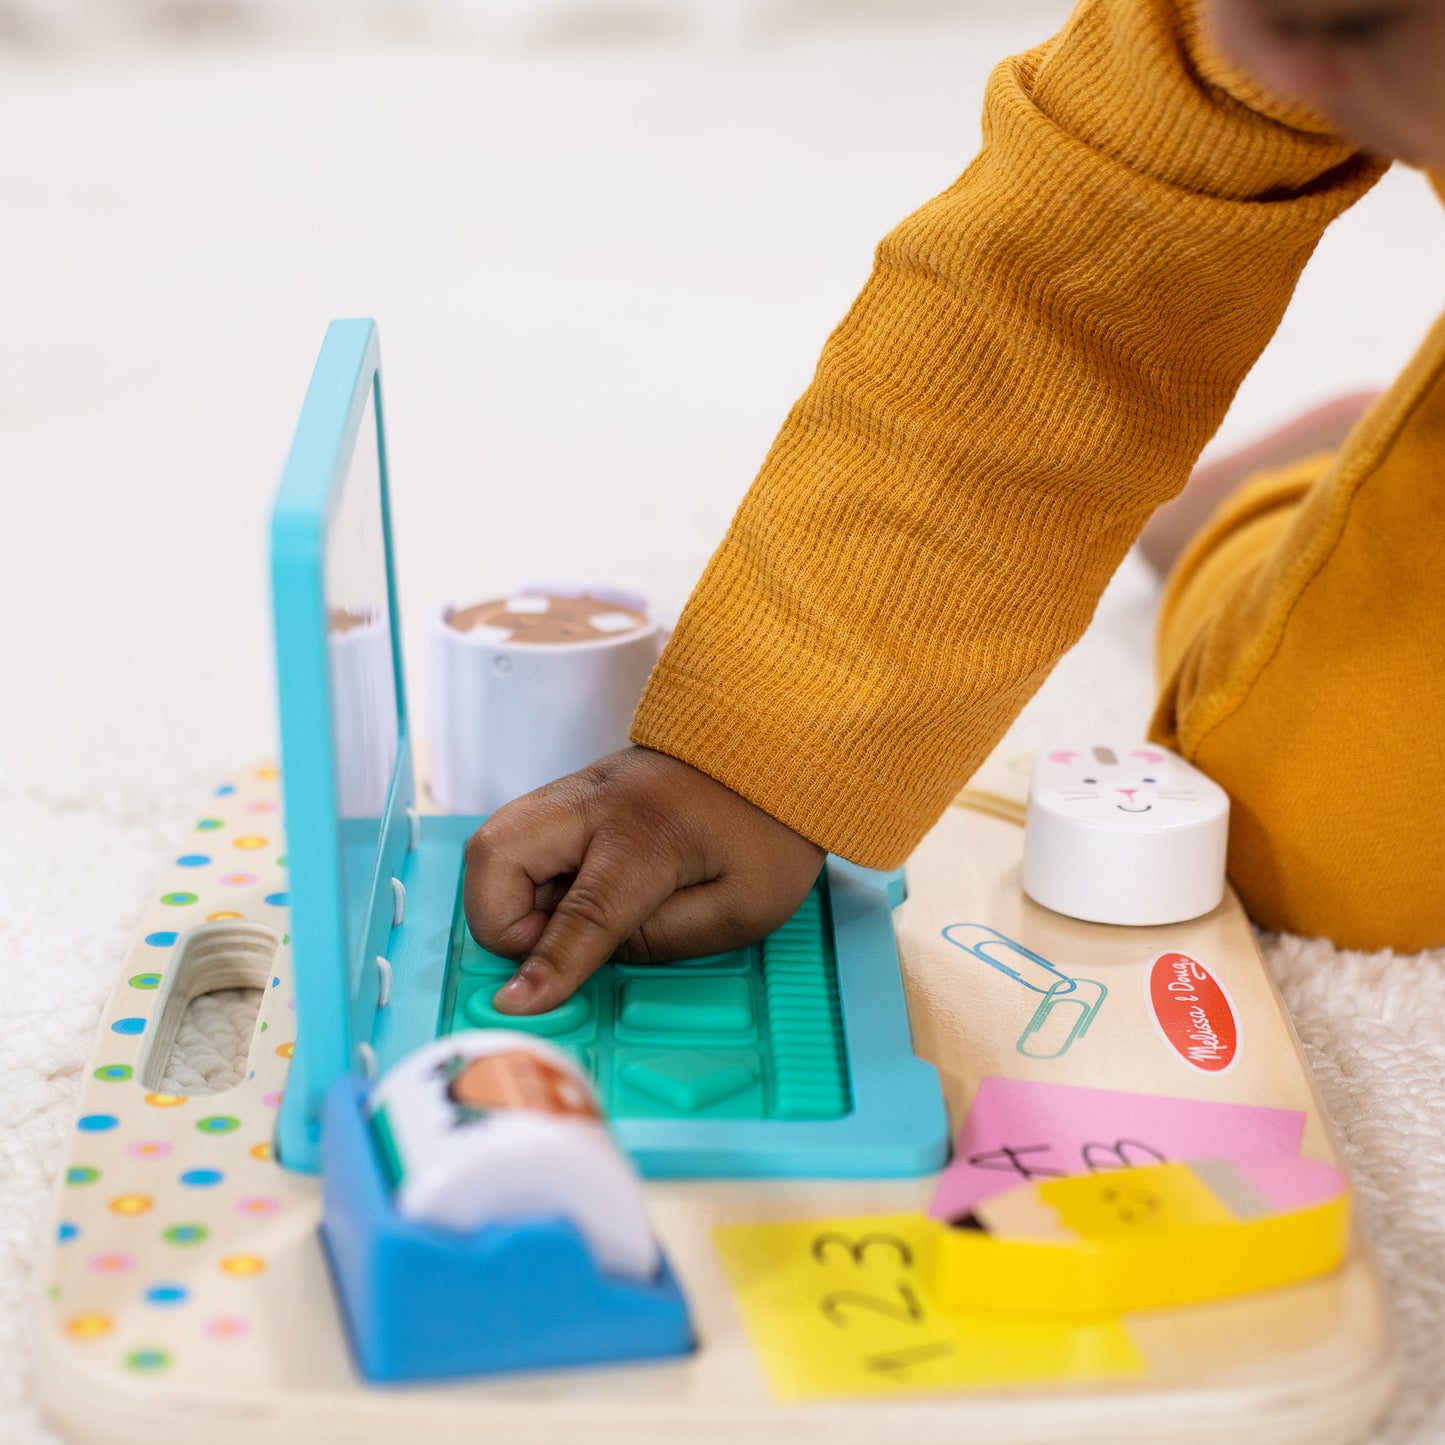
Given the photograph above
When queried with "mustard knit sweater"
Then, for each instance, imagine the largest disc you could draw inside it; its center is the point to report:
(1038, 358)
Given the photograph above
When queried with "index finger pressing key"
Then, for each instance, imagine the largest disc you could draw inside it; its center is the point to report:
(611, 897)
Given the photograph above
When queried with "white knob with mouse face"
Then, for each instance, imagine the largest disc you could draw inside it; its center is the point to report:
(1124, 833)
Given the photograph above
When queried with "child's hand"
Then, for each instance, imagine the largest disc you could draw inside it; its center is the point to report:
(638, 856)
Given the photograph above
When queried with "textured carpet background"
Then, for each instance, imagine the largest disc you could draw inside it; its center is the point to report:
(603, 251)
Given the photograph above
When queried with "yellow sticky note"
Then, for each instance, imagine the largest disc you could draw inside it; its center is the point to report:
(844, 1307)
(1123, 1202)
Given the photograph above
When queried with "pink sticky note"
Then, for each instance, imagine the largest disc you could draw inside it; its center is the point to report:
(1291, 1183)
(1018, 1130)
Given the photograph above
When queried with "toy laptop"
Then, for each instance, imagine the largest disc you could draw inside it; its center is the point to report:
(791, 1104)
(821, 1086)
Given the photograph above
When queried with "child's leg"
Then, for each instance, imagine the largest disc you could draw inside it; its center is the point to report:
(1302, 650)
(1322, 429)
(1256, 517)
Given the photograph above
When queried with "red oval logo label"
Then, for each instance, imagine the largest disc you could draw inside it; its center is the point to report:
(1193, 1012)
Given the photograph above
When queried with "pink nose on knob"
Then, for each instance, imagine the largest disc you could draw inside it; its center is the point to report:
(1127, 792)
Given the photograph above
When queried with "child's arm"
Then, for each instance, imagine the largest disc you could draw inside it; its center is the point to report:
(1039, 356)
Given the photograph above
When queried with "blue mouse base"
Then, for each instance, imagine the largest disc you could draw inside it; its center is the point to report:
(422, 1303)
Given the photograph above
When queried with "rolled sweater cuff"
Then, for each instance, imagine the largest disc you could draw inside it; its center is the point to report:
(792, 768)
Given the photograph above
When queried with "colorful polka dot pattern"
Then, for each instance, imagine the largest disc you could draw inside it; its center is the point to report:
(89, 1325)
(175, 1210)
(147, 1362)
(185, 1234)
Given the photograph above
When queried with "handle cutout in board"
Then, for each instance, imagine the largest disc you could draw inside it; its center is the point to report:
(230, 957)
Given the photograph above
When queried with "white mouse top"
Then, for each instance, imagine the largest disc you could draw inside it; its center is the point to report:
(1124, 833)
(1124, 787)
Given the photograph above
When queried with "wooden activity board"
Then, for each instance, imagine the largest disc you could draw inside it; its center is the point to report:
(189, 1296)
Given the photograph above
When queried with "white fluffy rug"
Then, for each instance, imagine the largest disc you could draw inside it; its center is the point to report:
(603, 259)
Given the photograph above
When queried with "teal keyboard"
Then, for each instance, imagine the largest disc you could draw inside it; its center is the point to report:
(752, 1034)
(787, 1059)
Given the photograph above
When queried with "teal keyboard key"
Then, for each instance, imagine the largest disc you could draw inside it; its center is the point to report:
(688, 1005)
(566, 1018)
(687, 1083)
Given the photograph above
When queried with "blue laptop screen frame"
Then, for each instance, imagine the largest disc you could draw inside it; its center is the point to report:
(338, 984)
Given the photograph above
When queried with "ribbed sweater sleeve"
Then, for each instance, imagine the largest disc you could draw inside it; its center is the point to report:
(1033, 366)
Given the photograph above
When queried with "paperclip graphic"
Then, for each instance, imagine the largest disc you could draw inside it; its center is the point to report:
(1008, 956)
(1038, 1036)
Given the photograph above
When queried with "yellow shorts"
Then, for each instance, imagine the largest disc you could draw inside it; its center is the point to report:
(1302, 665)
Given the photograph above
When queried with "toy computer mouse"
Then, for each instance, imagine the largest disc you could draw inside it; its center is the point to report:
(1124, 833)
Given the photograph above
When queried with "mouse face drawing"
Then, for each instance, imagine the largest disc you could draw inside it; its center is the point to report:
(1108, 785)
(1124, 833)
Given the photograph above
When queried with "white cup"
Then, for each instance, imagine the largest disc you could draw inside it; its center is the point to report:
(508, 716)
